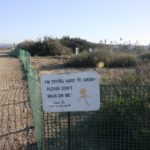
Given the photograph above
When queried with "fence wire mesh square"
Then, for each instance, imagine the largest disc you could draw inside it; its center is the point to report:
(122, 123)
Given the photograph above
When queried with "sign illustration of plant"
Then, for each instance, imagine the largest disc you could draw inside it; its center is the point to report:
(83, 95)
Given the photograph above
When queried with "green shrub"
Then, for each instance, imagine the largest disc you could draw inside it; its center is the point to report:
(145, 56)
(51, 46)
(108, 57)
(81, 60)
(46, 47)
(86, 59)
(112, 59)
(73, 43)
(26, 45)
(103, 55)
(123, 60)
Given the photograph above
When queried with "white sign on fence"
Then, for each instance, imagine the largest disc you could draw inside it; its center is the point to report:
(70, 92)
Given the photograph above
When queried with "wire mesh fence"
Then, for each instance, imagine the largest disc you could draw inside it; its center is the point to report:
(122, 123)
(35, 101)
(33, 92)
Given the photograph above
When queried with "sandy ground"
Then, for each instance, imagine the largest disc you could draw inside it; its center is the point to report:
(16, 127)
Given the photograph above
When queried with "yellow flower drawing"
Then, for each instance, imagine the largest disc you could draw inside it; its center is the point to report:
(83, 95)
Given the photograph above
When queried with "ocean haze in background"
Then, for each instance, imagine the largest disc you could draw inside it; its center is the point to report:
(6, 45)
(93, 20)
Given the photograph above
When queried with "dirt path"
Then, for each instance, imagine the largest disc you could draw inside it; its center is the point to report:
(16, 127)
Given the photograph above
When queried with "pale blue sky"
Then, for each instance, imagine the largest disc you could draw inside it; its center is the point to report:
(93, 20)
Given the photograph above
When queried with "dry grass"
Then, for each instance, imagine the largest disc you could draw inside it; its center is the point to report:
(55, 65)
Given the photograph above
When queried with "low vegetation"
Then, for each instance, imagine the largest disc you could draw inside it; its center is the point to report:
(73, 43)
(83, 59)
(109, 58)
(123, 60)
(124, 118)
(145, 56)
(140, 75)
(110, 55)
(46, 47)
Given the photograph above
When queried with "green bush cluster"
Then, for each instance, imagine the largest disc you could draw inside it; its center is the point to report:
(123, 60)
(46, 47)
(108, 57)
(26, 45)
(54, 46)
(103, 55)
(86, 59)
(73, 43)
(145, 57)
(81, 60)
